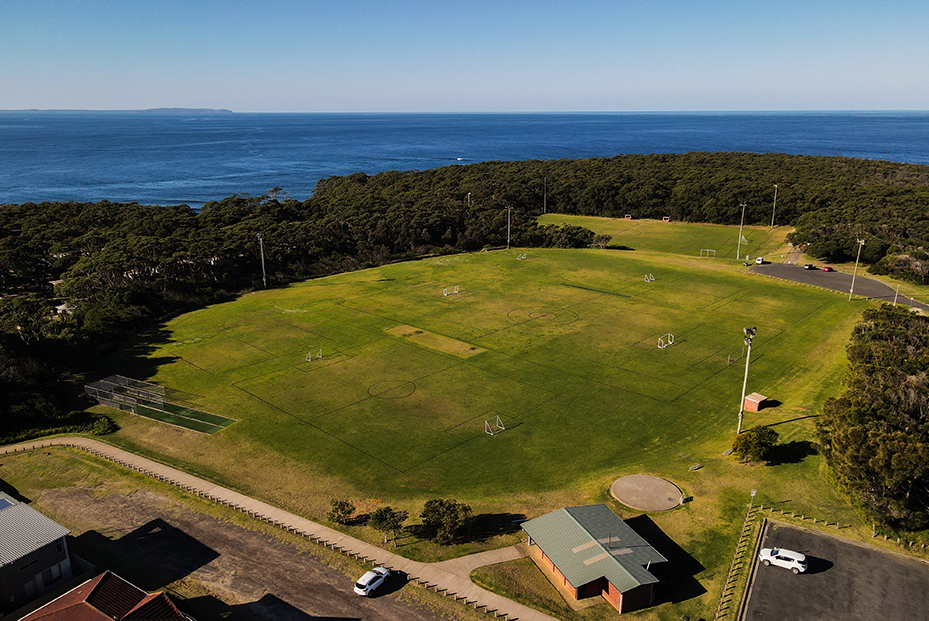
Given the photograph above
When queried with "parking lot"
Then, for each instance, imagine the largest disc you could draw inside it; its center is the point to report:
(844, 580)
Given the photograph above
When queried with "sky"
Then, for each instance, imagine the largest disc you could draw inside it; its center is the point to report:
(465, 56)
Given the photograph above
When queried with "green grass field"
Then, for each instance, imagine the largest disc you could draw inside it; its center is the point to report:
(562, 346)
(185, 417)
(570, 364)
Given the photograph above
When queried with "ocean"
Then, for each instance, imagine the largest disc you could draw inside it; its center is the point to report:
(191, 157)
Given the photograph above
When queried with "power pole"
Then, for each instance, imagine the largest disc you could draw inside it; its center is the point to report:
(544, 194)
(509, 211)
(749, 337)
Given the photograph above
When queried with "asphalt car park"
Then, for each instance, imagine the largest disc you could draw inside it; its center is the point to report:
(844, 580)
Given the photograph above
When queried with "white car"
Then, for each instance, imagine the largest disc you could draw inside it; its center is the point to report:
(794, 561)
(371, 580)
(759, 261)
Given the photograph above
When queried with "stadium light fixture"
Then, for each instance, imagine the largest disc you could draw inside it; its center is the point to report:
(738, 252)
(749, 337)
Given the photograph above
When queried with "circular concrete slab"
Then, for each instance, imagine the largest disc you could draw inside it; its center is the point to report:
(646, 493)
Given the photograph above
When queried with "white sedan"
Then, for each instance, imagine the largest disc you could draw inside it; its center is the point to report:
(794, 561)
(371, 580)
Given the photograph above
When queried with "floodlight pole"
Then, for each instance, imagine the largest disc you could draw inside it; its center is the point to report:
(738, 252)
(544, 194)
(850, 291)
(261, 245)
(749, 337)
(774, 208)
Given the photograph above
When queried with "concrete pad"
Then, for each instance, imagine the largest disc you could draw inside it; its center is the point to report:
(646, 493)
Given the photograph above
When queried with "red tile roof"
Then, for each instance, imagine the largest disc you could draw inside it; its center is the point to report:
(108, 597)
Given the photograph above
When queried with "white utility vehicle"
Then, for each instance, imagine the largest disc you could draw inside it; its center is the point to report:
(794, 561)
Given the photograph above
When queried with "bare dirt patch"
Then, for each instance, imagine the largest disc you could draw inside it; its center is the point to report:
(224, 570)
(435, 341)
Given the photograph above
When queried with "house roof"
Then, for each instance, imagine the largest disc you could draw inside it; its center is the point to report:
(589, 542)
(24, 530)
(108, 597)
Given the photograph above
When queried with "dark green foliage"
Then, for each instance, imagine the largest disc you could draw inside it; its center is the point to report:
(600, 241)
(103, 425)
(875, 436)
(753, 444)
(123, 265)
(445, 519)
(341, 511)
(388, 521)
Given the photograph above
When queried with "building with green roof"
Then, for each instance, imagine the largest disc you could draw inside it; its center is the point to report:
(589, 551)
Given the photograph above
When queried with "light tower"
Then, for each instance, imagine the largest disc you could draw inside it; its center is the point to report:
(749, 337)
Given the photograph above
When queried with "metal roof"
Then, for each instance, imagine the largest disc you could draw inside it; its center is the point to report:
(589, 542)
(24, 530)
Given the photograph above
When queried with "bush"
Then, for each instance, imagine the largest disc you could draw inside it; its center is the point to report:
(341, 511)
(754, 443)
(103, 425)
(445, 518)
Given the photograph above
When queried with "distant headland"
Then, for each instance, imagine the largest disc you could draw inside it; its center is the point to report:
(146, 111)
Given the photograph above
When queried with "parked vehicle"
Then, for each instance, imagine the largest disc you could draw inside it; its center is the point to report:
(828, 269)
(809, 266)
(788, 559)
(759, 261)
(371, 580)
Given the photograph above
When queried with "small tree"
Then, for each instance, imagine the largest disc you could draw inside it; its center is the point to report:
(754, 443)
(388, 521)
(600, 241)
(445, 518)
(341, 511)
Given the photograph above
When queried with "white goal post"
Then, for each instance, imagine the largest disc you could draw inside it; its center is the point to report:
(649, 278)
(707, 253)
(521, 257)
(493, 426)
(665, 341)
(315, 354)
(451, 291)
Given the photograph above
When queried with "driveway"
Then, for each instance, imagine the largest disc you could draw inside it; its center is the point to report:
(836, 281)
(845, 581)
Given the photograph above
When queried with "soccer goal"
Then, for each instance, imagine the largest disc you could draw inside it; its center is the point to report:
(628, 216)
(665, 341)
(493, 426)
(649, 278)
(450, 291)
(707, 253)
(521, 257)
(315, 354)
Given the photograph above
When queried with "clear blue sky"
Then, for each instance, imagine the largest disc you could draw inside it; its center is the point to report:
(466, 56)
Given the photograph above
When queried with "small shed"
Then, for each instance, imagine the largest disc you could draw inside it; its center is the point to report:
(754, 402)
(589, 551)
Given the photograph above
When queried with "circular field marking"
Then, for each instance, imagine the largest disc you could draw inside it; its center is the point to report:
(392, 389)
(646, 493)
(561, 317)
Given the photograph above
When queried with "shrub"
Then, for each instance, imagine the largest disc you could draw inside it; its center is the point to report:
(754, 443)
(341, 511)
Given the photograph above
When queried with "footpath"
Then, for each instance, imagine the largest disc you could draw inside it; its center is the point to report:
(451, 578)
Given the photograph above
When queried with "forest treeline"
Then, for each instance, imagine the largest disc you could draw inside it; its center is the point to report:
(875, 436)
(118, 266)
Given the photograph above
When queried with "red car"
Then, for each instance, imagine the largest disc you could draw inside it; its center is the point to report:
(828, 269)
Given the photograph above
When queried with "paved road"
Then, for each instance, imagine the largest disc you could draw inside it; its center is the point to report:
(445, 576)
(836, 281)
(845, 581)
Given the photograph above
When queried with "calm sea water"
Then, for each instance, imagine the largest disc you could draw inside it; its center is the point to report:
(156, 158)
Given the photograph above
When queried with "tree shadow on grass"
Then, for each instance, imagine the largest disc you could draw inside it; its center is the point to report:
(488, 525)
(676, 577)
(789, 452)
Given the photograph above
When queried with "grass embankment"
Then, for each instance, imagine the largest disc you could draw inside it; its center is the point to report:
(570, 364)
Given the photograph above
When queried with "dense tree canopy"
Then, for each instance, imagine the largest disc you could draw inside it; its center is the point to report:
(876, 434)
(117, 266)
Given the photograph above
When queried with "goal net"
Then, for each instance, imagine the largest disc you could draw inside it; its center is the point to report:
(665, 341)
(125, 393)
(707, 253)
(493, 426)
